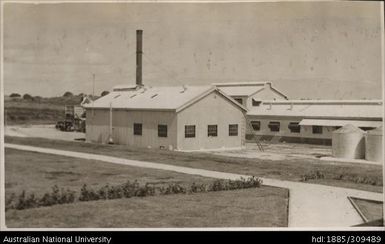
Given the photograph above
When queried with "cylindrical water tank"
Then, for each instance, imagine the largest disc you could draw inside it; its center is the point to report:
(348, 142)
(373, 145)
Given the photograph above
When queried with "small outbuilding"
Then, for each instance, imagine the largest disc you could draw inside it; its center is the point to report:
(174, 118)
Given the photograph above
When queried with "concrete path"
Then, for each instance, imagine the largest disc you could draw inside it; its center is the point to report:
(310, 205)
(352, 161)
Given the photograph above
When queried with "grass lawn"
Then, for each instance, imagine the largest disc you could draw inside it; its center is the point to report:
(291, 169)
(260, 207)
(372, 210)
(37, 173)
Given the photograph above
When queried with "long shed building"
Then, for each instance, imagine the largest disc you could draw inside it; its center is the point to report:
(311, 121)
(174, 118)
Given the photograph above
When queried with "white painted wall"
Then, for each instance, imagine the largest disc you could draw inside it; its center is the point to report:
(97, 127)
(212, 109)
(266, 94)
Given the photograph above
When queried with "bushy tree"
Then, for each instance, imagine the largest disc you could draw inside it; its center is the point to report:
(27, 96)
(37, 98)
(15, 95)
(68, 94)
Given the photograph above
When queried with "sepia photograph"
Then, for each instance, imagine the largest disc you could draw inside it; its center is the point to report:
(211, 115)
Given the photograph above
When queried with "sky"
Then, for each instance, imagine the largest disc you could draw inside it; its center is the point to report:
(317, 50)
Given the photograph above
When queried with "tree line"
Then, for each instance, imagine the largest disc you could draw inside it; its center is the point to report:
(67, 94)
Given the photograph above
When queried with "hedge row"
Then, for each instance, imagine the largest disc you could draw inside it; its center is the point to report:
(126, 190)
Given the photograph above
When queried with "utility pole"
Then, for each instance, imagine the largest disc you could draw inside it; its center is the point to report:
(93, 93)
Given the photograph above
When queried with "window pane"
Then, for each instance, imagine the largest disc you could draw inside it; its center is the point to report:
(294, 127)
(233, 130)
(274, 126)
(239, 100)
(137, 129)
(212, 130)
(256, 103)
(189, 131)
(317, 129)
(162, 130)
(256, 125)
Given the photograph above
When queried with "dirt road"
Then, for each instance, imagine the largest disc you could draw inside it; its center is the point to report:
(45, 131)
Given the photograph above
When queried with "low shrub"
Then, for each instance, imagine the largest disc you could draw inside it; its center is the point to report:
(146, 190)
(376, 181)
(88, 194)
(242, 183)
(195, 188)
(24, 201)
(314, 175)
(173, 189)
(126, 190)
(10, 201)
(359, 179)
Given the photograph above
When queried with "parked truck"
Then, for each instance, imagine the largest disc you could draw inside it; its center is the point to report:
(74, 119)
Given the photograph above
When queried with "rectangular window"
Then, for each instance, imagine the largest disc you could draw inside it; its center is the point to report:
(256, 103)
(317, 129)
(239, 100)
(189, 131)
(294, 127)
(137, 129)
(274, 126)
(256, 125)
(233, 130)
(212, 130)
(162, 130)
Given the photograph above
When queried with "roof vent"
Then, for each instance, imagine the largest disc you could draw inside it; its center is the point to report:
(184, 89)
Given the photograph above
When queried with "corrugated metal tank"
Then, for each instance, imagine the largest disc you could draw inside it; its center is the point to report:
(373, 145)
(348, 142)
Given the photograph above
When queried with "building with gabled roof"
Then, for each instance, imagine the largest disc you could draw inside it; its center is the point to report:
(251, 93)
(173, 117)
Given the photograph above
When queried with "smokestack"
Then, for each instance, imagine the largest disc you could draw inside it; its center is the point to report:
(139, 53)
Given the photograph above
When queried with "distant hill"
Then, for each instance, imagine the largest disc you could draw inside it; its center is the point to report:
(37, 110)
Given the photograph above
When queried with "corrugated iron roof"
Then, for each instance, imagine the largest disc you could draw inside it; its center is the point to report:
(321, 109)
(247, 83)
(242, 89)
(156, 98)
(349, 128)
(246, 89)
(333, 122)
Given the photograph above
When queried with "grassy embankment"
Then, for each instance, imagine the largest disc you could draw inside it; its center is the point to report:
(37, 110)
